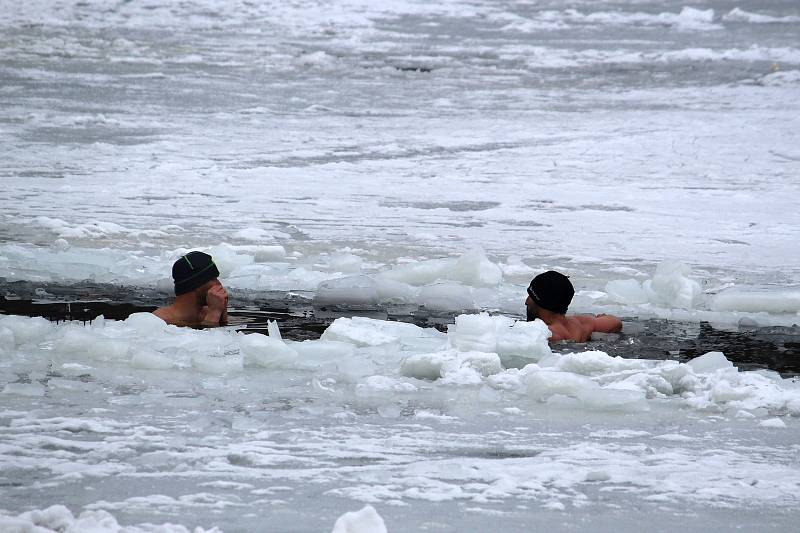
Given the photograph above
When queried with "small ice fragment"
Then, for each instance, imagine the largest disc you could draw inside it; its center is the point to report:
(367, 520)
(273, 330)
(24, 389)
(773, 423)
(597, 475)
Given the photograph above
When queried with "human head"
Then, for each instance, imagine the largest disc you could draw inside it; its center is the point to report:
(552, 291)
(192, 271)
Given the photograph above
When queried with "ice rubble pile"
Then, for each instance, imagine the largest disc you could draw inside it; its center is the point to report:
(58, 518)
(497, 358)
(670, 286)
(467, 282)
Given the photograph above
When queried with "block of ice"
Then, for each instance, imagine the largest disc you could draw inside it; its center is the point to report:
(367, 520)
(393, 291)
(146, 324)
(349, 290)
(610, 399)
(265, 254)
(467, 368)
(362, 331)
(322, 351)
(151, 359)
(546, 383)
(268, 352)
(384, 384)
(25, 329)
(709, 362)
(253, 234)
(526, 341)
(595, 362)
(425, 365)
(780, 301)
(626, 291)
(472, 268)
(273, 330)
(345, 263)
(514, 341)
(59, 519)
(773, 423)
(671, 286)
(213, 363)
(474, 333)
(24, 389)
(228, 259)
(446, 296)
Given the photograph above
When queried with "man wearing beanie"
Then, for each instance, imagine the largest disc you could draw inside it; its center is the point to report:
(549, 296)
(200, 298)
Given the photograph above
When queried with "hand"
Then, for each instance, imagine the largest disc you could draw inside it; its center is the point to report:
(217, 298)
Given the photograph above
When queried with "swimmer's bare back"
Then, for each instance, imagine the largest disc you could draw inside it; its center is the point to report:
(579, 328)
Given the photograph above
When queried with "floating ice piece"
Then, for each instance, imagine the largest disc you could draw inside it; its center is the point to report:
(361, 331)
(146, 324)
(780, 78)
(740, 15)
(24, 329)
(472, 268)
(515, 267)
(59, 519)
(345, 263)
(268, 352)
(367, 520)
(349, 290)
(670, 286)
(228, 259)
(543, 384)
(513, 341)
(626, 291)
(24, 389)
(253, 234)
(781, 301)
(596, 362)
(709, 362)
(773, 423)
(446, 296)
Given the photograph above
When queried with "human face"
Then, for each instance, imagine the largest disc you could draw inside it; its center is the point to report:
(202, 290)
(531, 309)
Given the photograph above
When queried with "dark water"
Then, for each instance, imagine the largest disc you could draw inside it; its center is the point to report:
(775, 347)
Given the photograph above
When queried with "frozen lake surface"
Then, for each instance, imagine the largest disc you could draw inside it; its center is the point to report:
(404, 155)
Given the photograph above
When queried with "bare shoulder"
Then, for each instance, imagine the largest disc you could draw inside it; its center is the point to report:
(165, 314)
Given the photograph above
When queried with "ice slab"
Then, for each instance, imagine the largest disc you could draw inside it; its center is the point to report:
(366, 520)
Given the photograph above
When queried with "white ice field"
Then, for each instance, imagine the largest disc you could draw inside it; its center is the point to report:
(367, 153)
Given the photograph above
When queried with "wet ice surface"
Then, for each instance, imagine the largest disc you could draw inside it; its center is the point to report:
(152, 422)
(357, 155)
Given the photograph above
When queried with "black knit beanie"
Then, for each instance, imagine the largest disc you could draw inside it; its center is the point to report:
(193, 270)
(552, 291)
